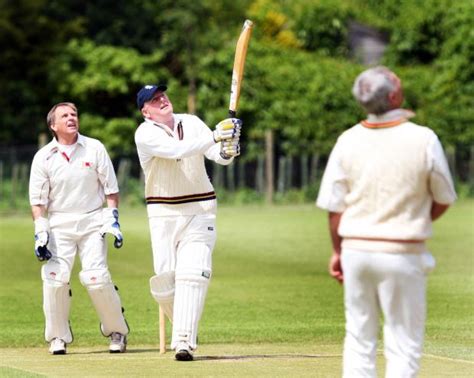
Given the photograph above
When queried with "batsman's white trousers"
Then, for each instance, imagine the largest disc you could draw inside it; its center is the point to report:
(71, 234)
(395, 284)
(182, 249)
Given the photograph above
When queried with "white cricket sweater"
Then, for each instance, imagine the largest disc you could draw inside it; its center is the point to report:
(384, 177)
(176, 181)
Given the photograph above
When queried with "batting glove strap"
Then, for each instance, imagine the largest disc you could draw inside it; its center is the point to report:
(227, 129)
(111, 225)
(230, 148)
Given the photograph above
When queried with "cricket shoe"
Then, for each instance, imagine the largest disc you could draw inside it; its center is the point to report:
(118, 343)
(183, 352)
(57, 346)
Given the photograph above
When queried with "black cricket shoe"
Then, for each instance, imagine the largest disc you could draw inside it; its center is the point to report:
(183, 352)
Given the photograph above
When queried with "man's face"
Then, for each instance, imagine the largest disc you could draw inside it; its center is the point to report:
(66, 122)
(159, 108)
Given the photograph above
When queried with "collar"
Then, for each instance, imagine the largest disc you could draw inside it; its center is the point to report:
(162, 126)
(80, 140)
(54, 145)
(391, 118)
(178, 127)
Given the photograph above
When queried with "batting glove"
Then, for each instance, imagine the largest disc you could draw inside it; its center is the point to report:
(227, 129)
(111, 225)
(41, 239)
(230, 148)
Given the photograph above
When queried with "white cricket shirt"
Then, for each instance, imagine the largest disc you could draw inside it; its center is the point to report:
(74, 183)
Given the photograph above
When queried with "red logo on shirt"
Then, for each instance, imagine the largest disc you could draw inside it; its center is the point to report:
(52, 274)
(87, 164)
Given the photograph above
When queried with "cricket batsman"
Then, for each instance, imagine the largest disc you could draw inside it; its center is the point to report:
(181, 206)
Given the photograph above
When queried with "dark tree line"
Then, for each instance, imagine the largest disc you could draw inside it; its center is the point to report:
(298, 76)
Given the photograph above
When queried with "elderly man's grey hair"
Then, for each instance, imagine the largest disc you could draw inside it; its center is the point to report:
(372, 87)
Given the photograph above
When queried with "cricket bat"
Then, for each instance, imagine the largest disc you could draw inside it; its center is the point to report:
(239, 62)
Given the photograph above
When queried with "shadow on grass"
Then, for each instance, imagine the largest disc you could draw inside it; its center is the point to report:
(264, 356)
(170, 353)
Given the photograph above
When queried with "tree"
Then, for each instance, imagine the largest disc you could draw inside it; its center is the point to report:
(29, 39)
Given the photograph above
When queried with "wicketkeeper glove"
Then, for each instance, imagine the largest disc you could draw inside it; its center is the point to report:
(227, 129)
(111, 225)
(230, 148)
(41, 239)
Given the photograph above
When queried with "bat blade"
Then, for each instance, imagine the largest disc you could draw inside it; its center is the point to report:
(239, 63)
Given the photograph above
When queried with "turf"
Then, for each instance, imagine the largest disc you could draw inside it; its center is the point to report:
(214, 360)
(270, 293)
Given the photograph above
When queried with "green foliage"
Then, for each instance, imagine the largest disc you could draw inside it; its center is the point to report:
(323, 27)
(273, 24)
(297, 80)
(418, 39)
(29, 37)
(116, 133)
(452, 94)
(106, 72)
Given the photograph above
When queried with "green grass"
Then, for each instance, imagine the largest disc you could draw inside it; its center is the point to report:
(270, 287)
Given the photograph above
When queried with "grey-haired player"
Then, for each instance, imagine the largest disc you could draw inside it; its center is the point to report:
(71, 178)
(181, 206)
(386, 181)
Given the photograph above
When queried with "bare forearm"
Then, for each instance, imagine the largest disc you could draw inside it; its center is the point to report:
(112, 200)
(334, 220)
(438, 209)
(38, 211)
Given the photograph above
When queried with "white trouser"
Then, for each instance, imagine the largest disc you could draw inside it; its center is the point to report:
(71, 234)
(396, 285)
(182, 258)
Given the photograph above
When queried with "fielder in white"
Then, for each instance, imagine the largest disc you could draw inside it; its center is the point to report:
(181, 206)
(386, 180)
(71, 178)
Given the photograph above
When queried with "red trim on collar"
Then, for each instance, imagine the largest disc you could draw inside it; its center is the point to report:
(382, 125)
(65, 155)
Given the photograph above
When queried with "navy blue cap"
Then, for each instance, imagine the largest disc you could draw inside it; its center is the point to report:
(147, 92)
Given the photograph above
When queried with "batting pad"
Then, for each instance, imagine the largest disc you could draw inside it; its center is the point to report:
(56, 304)
(162, 289)
(105, 299)
(190, 295)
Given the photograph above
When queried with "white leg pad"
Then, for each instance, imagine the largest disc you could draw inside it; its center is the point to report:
(105, 299)
(191, 290)
(162, 289)
(56, 303)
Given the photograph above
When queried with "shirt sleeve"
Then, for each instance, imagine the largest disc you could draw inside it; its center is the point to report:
(153, 141)
(334, 186)
(106, 172)
(39, 182)
(440, 180)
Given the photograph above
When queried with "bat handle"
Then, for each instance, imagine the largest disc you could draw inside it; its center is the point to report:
(232, 113)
